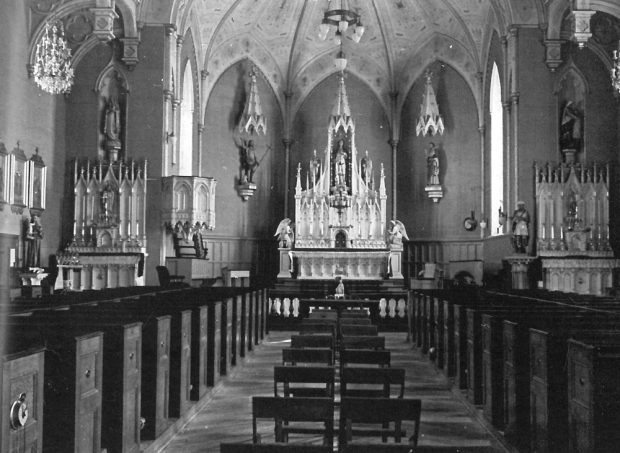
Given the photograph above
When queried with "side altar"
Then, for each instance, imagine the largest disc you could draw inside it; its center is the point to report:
(108, 245)
(340, 217)
(573, 228)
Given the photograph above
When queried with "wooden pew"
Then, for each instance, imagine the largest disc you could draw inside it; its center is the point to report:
(403, 448)
(273, 448)
(356, 330)
(364, 357)
(120, 376)
(365, 382)
(362, 342)
(21, 387)
(292, 410)
(289, 376)
(594, 395)
(295, 356)
(549, 385)
(381, 411)
(312, 341)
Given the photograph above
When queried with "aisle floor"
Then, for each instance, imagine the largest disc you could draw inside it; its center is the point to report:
(227, 416)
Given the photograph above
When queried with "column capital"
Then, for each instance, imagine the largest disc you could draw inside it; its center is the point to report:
(393, 142)
(170, 29)
(204, 74)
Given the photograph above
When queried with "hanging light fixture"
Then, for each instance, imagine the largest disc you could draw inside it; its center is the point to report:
(253, 120)
(340, 20)
(430, 121)
(615, 70)
(53, 71)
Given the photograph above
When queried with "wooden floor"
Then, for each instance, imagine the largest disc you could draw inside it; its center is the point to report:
(446, 419)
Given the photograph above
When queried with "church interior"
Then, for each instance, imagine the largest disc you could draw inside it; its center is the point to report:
(187, 186)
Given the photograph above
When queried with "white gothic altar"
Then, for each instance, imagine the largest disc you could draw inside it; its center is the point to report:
(340, 217)
(108, 245)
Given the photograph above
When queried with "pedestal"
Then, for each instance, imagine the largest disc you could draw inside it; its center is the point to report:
(195, 270)
(246, 190)
(396, 272)
(286, 263)
(31, 282)
(519, 268)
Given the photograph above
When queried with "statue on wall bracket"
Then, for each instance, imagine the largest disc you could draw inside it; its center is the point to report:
(433, 185)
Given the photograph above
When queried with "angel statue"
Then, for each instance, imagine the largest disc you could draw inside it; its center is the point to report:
(398, 233)
(285, 234)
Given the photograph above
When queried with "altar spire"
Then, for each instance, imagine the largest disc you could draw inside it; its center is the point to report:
(341, 113)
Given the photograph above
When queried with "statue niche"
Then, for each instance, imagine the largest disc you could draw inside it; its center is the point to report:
(341, 163)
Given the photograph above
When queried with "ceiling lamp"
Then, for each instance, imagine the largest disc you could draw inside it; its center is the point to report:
(430, 121)
(253, 119)
(340, 20)
(53, 72)
(615, 70)
(341, 61)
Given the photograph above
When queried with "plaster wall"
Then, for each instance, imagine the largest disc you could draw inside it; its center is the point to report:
(459, 155)
(33, 118)
(242, 225)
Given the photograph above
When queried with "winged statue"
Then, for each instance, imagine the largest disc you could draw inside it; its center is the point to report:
(398, 232)
(285, 233)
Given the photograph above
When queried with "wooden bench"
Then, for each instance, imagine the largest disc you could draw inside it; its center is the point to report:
(381, 411)
(356, 330)
(286, 412)
(290, 377)
(313, 341)
(364, 357)
(362, 382)
(362, 342)
(396, 448)
(273, 448)
(295, 356)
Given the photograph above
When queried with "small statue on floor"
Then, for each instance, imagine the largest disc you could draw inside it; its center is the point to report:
(339, 289)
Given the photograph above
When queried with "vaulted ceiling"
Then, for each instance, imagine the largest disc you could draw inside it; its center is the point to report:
(401, 38)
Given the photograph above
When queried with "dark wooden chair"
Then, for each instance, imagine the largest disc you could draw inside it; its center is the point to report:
(273, 448)
(362, 342)
(312, 341)
(356, 414)
(166, 280)
(297, 381)
(364, 357)
(295, 416)
(295, 356)
(368, 382)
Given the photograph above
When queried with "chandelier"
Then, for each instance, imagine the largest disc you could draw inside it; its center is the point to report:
(252, 119)
(340, 20)
(52, 70)
(615, 71)
(430, 121)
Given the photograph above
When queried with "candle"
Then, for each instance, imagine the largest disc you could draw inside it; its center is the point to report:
(137, 228)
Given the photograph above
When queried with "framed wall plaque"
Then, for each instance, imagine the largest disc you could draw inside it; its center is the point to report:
(19, 167)
(37, 173)
(4, 174)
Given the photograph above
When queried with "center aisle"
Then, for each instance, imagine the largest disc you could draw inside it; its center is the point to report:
(227, 417)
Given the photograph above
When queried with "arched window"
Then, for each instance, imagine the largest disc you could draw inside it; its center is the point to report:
(497, 151)
(186, 127)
